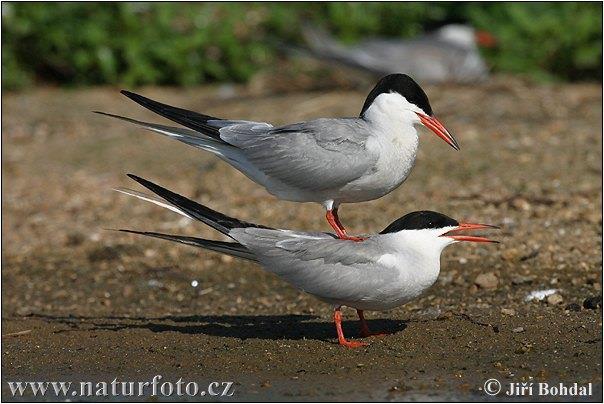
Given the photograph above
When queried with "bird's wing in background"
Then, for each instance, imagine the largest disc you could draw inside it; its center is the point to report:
(315, 155)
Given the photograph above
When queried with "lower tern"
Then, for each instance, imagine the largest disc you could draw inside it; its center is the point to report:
(328, 161)
(387, 270)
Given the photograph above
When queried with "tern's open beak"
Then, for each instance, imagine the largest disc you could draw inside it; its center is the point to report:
(454, 234)
(439, 129)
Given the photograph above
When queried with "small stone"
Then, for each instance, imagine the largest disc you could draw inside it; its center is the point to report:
(127, 291)
(508, 312)
(446, 278)
(520, 204)
(554, 299)
(487, 281)
(511, 254)
(522, 279)
(592, 303)
(459, 281)
(518, 329)
(573, 307)
(75, 239)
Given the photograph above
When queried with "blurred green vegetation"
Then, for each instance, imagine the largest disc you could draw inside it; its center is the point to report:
(190, 43)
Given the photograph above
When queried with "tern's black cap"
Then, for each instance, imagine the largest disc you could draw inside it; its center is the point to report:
(405, 86)
(425, 219)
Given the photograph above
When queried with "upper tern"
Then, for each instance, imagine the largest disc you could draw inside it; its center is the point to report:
(385, 271)
(329, 160)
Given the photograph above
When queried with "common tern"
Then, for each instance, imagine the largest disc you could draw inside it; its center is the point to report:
(449, 54)
(328, 161)
(387, 270)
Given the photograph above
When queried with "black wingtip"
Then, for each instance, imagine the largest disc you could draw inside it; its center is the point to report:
(139, 99)
(130, 231)
(144, 101)
(106, 114)
(147, 184)
(212, 218)
(190, 119)
(137, 178)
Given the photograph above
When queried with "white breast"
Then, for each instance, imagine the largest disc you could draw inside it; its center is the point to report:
(395, 140)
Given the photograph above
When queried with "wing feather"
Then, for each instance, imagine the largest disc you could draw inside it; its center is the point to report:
(316, 155)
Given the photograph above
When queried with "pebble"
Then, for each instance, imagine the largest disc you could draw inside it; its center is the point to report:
(487, 281)
(592, 303)
(539, 294)
(127, 291)
(511, 254)
(508, 312)
(573, 307)
(521, 204)
(522, 279)
(518, 329)
(554, 299)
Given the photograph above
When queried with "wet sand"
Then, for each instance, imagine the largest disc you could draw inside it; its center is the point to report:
(81, 303)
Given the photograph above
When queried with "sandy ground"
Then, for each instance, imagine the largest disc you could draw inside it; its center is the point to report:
(84, 304)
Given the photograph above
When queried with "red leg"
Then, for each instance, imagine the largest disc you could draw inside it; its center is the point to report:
(365, 328)
(334, 221)
(337, 318)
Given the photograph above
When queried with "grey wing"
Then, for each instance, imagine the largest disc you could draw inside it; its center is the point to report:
(307, 246)
(316, 155)
(329, 268)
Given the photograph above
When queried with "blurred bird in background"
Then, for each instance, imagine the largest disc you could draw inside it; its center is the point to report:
(449, 54)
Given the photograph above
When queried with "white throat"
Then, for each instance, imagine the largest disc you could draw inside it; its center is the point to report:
(392, 109)
(423, 247)
(393, 116)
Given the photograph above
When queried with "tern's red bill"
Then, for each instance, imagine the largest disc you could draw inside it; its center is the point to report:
(454, 234)
(439, 129)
